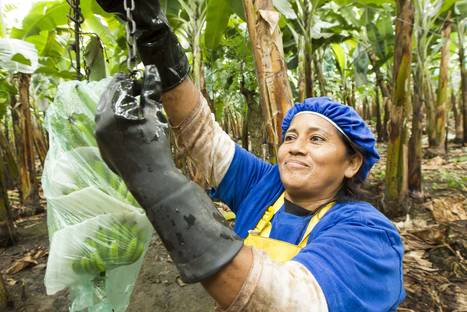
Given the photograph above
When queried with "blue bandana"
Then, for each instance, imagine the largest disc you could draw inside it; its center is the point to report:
(347, 121)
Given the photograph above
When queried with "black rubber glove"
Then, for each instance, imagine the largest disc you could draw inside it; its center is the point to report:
(193, 231)
(156, 42)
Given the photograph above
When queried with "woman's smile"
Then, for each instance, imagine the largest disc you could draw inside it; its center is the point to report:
(295, 164)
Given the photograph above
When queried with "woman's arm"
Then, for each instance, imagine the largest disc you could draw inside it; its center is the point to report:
(180, 101)
(254, 282)
(197, 134)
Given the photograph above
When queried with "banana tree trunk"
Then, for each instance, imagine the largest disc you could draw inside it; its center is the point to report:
(318, 65)
(309, 92)
(457, 117)
(25, 148)
(198, 73)
(396, 167)
(415, 142)
(7, 153)
(379, 127)
(301, 69)
(7, 235)
(41, 145)
(442, 97)
(385, 92)
(271, 68)
(3, 294)
(461, 34)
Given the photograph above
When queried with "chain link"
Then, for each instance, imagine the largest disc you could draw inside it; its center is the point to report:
(129, 6)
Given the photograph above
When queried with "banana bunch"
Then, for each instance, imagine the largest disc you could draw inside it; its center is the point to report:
(122, 243)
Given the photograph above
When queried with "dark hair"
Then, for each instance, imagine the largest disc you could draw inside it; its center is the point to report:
(351, 188)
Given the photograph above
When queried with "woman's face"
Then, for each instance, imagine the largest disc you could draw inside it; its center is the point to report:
(313, 158)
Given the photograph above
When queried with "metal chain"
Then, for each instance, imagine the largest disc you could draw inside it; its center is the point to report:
(75, 15)
(129, 6)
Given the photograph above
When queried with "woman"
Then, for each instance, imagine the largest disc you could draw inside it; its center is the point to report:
(304, 243)
(352, 259)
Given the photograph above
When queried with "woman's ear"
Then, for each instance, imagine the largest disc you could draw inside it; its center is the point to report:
(355, 161)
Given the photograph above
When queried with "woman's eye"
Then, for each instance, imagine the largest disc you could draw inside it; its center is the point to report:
(288, 137)
(316, 138)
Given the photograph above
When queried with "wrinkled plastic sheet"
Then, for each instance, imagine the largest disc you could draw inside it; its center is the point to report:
(98, 233)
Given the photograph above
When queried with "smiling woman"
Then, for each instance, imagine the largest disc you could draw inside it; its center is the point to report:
(297, 245)
(313, 161)
(301, 221)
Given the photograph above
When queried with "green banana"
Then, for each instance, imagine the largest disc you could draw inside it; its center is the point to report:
(131, 250)
(76, 266)
(97, 261)
(138, 252)
(86, 265)
(113, 254)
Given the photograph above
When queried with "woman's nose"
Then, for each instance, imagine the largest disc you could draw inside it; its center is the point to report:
(298, 147)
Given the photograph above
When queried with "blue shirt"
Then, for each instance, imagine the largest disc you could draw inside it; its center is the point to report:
(354, 252)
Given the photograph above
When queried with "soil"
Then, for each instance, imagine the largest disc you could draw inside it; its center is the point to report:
(434, 232)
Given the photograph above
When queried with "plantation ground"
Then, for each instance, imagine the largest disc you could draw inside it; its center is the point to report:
(435, 237)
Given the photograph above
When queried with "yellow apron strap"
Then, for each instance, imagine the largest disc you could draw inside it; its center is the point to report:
(263, 227)
(279, 250)
(313, 223)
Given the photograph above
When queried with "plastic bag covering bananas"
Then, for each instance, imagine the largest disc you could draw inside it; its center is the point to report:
(156, 42)
(195, 234)
(120, 243)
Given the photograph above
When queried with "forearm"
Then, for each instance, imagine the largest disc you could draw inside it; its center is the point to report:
(226, 284)
(197, 134)
(268, 286)
(180, 101)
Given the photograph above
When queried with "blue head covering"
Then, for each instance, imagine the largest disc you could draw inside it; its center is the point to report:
(347, 121)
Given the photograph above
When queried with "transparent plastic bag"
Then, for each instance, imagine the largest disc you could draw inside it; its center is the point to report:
(98, 233)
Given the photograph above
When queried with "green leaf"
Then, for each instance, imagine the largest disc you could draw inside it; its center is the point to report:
(447, 5)
(381, 36)
(44, 16)
(217, 17)
(339, 55)
(237, 8)
(18, 56)
(95, 60)
(6, 91)
(285, 8)
(364, 2)
(361, 62)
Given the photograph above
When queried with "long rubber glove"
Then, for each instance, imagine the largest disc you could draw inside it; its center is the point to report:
(156, 42)
(135, 145)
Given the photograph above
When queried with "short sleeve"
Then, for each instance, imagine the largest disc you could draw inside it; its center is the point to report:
(245, 171)
(358, 267)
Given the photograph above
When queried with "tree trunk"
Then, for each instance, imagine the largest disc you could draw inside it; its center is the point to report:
(385, 92)
(379, 127)
(387, 104)
(442, 98)
(457, 111)
(7, 236)
(396, 168)
(301, 69)
(379, 75)
(271, 68)
(10, 174)
(463, 69)
(365, 109)
(3, 294)
(309, 92)
(26, 156)
(41, 145)
(415, 142)
(318, 65)
(198, 73)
